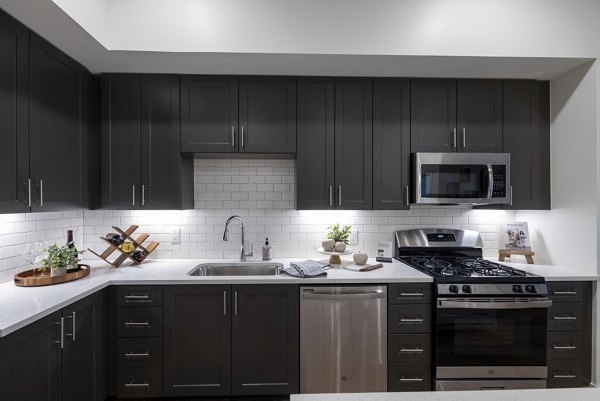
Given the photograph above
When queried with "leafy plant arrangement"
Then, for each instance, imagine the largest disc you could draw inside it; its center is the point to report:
(339, 234)
(56, 257)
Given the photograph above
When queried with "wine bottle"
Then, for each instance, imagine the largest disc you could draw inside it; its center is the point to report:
(115, 239)
(70, 243)
(139, 256)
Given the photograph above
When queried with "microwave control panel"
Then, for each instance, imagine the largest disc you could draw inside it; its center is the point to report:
(499, 189)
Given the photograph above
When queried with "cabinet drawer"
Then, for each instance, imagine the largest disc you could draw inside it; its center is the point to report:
(409, 377)
(409, 348)
(139, 295)
(414, 319)
(412, 293)
(565, 317)
(564, 345)
(565, 291)
(565, 374)
(139, 382)
(139, 322)
(139, 352)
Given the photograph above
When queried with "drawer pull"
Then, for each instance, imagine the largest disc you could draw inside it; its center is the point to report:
(411, 294)
(137, 297)
(564, 317)
(561, 347)
(410, 350)
(137, 324)
(138, 354)
(557, 376)
(410, 380)
(565, 292)
(137, 385)
(411, 320)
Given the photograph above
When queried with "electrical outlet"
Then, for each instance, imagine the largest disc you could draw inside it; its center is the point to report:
(354, 237)
(176, 236)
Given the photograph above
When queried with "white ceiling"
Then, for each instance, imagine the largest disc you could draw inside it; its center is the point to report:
(462, 38)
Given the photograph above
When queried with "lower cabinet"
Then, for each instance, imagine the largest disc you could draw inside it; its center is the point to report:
(60, 357)
(230, 340)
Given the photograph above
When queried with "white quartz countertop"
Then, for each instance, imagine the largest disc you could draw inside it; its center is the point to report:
(20, 306)
(566, 394)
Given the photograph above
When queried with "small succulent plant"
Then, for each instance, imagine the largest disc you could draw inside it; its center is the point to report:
(56, 256)
(339, 234)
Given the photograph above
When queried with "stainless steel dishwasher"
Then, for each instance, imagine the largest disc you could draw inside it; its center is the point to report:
(343, 339)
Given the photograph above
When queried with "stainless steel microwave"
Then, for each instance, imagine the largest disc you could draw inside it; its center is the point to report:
(462, 178)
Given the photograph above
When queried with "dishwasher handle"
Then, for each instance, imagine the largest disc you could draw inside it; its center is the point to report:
(345, 297)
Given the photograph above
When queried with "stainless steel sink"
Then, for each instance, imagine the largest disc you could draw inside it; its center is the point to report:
(236, 269)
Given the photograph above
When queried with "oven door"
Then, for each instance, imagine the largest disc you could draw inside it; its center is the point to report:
(491, 338)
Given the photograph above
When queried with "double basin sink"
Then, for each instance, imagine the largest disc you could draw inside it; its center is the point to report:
(237, 269)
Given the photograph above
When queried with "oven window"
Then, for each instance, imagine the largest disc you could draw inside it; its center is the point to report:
(454, 181)
(491, 337)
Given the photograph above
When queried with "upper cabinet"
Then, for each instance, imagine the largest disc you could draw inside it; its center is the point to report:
(450, 115)
(142, 165)
(527, 139)
(224, 114)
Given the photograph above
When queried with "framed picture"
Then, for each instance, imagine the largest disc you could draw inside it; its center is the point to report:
(384, 248)
(516, 236)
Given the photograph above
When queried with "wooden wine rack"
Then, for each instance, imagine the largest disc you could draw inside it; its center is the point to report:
(127, 236)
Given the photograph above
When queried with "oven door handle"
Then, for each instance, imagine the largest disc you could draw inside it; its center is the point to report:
(442, 304)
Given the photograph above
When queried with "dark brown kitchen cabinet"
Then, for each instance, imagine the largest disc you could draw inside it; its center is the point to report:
(209, 114)
(450, 115)
(14, 119)
(526, 136)
(59, 357)
(244, 340)
(391, 144)
(142, 165)
(315, 144)
(353, 143)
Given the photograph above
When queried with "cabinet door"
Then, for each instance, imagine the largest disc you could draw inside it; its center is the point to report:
(30, 362)
(268, 114)
(197, 340)
(353, 143)
(433, 115)
(479, 115)
(14, 119)
(84, 356)
(58, 129)
(209, 114)
(161, 168)
(314, 157)
(527, 139)
(391, 144)
(265, 344)
(120, 133)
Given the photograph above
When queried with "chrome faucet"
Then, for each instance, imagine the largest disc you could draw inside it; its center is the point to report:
(243, 252)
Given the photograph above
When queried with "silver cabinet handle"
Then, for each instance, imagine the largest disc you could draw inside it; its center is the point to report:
(410, 380)
(340, 193)
(72, 317)
(464, 138)
(564, 318)
(138, 324)
(563, 347)
(406, 196)
(137, 354)
(511, 195)
(411, 294)
(235, 303)
(454, 138)
(224, 303)
(62, 333)
(41, 193)
(133, 195)
(134, 385)
(412, 320)
(556, 376)
(242, 141)
(29, 192)
(564, 292)
(233, 136)
(331, 195)
(411, 350)
(137, 297)
(143, 194)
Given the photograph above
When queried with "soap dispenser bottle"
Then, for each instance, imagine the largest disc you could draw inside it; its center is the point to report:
(267, 251)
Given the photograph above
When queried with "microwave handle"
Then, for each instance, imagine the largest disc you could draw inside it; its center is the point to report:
(490, 181)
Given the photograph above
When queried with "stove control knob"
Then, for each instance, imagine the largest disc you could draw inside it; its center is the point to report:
(453, 288)
(530, 288)
(517, 288)
(466, 289)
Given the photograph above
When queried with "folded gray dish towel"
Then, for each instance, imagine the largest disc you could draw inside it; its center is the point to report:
(308, 268)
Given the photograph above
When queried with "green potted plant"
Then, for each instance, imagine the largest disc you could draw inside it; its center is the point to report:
(340, 235)
(58, 259)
